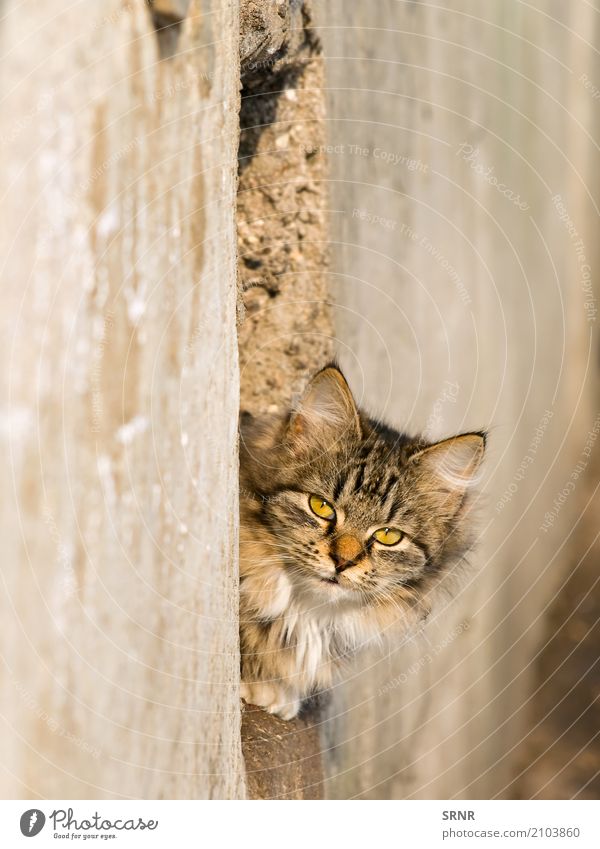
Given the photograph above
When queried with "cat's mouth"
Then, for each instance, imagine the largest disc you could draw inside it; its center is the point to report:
(334, 581)
(336, 591)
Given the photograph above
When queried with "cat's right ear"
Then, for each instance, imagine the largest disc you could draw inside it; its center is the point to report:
(326, 411)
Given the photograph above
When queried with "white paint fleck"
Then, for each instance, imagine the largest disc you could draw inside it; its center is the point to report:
(82, 347)
(15, 422)
(106, 479)
(127, 432)
(108, 222)
(136, 308)
(156, 496)
(184, 439)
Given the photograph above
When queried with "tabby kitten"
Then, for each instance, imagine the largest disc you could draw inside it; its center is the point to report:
(348, 528)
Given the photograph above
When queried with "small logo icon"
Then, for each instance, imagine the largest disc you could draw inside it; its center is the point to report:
(32, 822)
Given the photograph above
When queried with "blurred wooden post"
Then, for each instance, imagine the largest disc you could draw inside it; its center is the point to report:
(461, 148)
(119, 401)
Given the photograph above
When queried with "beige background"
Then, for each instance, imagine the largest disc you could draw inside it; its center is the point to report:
(457, 309)
(451, 307)
(119, 404)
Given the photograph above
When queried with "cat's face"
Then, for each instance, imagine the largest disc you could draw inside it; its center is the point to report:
(359, 511)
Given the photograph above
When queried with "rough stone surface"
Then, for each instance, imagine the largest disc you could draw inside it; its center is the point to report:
(282, 231)
(273, 36)
(285, 333)
(119, 404)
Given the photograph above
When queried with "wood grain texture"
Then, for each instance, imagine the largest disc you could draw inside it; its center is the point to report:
(119, 403)
(283, 759)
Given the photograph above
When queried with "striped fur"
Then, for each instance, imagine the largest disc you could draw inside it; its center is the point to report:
(301, 619)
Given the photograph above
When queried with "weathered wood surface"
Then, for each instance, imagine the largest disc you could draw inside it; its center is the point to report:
(282, 759)
(461, 301)
(454, 307)
(119, 402)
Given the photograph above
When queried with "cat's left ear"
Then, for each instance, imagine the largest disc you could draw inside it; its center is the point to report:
(326, 411)
(454, 462)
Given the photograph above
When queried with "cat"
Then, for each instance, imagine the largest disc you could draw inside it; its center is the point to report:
(348, 528)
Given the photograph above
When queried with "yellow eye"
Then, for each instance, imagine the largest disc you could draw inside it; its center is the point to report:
(388, 536)
(321, 508)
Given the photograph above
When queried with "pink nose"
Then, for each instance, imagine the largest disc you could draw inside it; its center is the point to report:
(345, 551)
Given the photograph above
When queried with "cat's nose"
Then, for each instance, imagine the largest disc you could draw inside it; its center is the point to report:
(345, 551)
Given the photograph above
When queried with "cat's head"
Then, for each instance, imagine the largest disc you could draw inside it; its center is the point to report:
(356, 509)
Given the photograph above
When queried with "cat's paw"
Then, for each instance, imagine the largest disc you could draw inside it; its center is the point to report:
(271, 698)
(285, 710)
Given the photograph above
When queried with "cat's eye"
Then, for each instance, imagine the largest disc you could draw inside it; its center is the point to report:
(321, 508)
(388, 536)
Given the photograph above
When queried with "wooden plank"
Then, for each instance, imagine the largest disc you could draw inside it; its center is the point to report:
(119, 407)
(461, 303)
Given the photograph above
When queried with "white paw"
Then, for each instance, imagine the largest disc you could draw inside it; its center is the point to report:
(285, 710)
(271, 698)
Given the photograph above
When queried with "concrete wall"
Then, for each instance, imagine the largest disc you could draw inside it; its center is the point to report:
(119, 401)
(286, 331)
(458, 296)
(461, 301)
